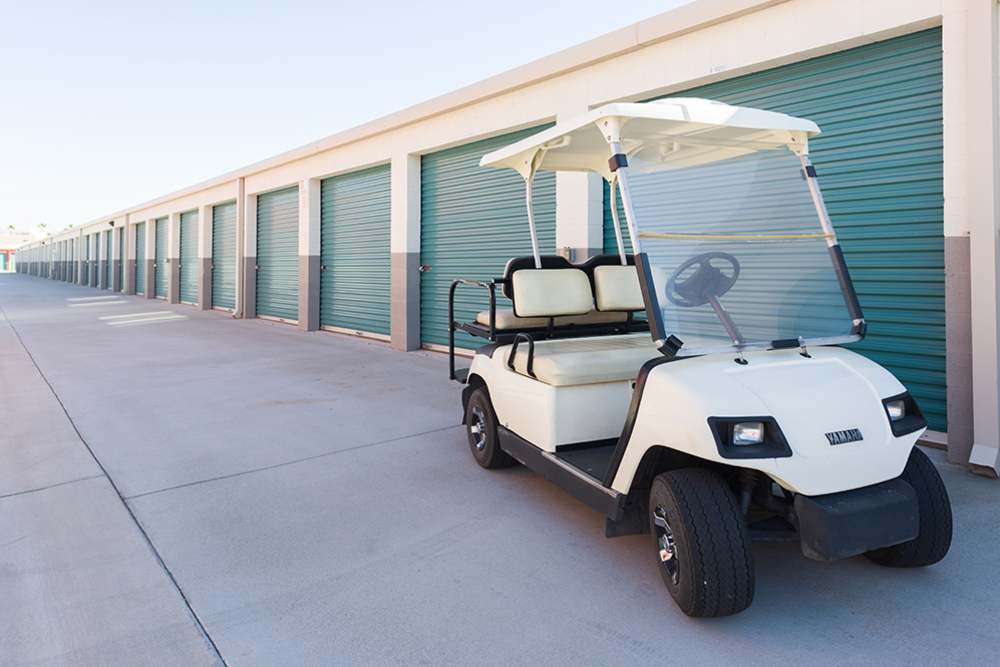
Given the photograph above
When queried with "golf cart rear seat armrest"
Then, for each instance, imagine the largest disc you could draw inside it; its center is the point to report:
(453, 325)
(490, 286)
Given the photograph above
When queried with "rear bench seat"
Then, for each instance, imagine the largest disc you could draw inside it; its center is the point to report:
(568, 293)
(613, 306)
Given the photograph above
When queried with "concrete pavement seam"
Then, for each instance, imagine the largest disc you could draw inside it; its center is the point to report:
(287, 463)
(128, 508)
(49, 486)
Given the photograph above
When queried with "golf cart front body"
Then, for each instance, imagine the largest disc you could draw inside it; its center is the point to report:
(824, 417)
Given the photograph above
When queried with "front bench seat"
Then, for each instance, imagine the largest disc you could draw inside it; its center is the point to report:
(506, 320)
(567, 362)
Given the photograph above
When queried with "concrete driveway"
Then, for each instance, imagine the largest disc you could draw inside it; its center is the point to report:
(179, 487)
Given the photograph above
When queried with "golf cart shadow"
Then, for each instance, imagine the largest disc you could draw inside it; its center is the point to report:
(786, 579)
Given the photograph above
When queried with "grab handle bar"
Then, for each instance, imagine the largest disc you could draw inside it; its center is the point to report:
(531, 353)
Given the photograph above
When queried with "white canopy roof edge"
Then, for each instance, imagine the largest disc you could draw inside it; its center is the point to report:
(665, 134)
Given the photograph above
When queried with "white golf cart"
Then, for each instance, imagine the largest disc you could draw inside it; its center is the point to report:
(696, 388)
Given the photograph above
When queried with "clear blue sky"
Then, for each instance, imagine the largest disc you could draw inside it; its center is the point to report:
(107, 104)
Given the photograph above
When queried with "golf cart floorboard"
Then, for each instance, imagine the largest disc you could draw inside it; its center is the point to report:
(593, 460)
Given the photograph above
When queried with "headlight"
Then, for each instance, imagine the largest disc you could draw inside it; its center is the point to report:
(748, 433)
(904, 414)
(896, 409)
(749, 437)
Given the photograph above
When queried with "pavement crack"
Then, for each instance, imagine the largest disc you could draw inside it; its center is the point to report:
(135, 519)
(287, 463)
(49, 486)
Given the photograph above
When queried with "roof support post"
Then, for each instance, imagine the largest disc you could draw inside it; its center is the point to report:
(614, 217)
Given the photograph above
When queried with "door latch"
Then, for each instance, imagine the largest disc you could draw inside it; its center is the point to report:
(424, 268)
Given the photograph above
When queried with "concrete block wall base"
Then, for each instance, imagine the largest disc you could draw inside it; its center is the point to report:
(250, 287)
(205, 284)
(309, 279)
(958, 337)
(173, 280)
(129, 286)
(405, 301)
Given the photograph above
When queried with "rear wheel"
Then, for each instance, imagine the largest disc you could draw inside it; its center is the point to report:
(934, 537)
(481, 428)
(701, 542)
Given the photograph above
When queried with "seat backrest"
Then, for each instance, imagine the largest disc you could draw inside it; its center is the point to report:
(617, 288)
(551, 292)
(516, 264)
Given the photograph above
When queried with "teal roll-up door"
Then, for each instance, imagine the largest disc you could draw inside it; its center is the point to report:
(880, 164)
(278, 254)
(160, 277)
(224, 256)
(189, 257)
(108, 266)
(472, 220)
(140, 258)
(355, 287)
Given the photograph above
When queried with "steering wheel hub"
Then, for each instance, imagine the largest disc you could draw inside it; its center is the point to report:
(700, 279)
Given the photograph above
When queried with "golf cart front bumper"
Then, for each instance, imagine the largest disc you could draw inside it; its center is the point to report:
(841, 525)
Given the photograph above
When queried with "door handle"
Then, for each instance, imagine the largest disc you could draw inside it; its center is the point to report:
(424, 268)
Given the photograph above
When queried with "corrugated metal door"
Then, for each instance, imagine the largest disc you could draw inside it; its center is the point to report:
(108, 266)
(224, 256)
(472, 220)
(140, 258)
(355, 287)
(160, 256)
(189, 257)
(880, 164)
(278, 254)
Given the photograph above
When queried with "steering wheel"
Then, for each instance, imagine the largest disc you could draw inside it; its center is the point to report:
(690, 288)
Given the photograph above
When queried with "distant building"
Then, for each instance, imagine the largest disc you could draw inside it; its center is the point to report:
(9, 242)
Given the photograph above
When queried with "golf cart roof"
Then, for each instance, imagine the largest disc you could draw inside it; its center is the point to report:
(666, 134)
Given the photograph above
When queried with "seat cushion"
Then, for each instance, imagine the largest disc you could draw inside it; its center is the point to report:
(506, 320)
(577, 361)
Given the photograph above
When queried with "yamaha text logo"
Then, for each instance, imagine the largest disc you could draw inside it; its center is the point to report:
(842, 437)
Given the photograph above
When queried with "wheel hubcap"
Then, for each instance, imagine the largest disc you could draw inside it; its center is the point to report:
(477, 429)
(665, 544)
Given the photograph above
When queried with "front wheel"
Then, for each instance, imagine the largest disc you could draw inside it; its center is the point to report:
(934, 537)
(481, 429)
(702, 543)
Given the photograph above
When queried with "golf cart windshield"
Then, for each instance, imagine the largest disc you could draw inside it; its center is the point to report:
(736, 253)
(733, 245)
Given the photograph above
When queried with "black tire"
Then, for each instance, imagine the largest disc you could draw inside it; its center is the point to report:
(934, 536)
(481, 429)
(713, 572)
